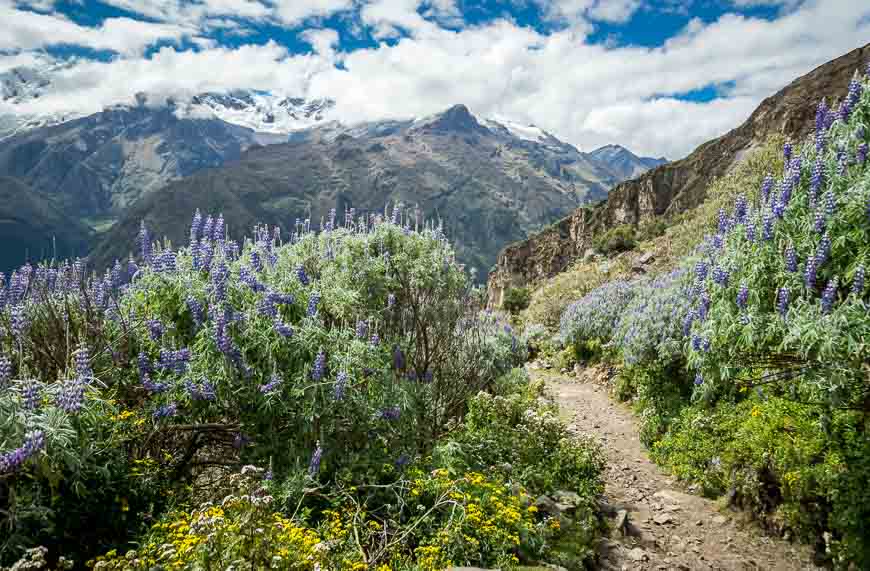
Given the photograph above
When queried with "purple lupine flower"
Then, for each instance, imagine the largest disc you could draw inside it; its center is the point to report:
(750, 232)
(301, 275)
(390, 413)
(829, 296)
(767, 226)
(851, 99)
(810, 274)
(704, 306)
(31, 394)
(791, 258)
(785, 192)
(150, 386)
(742, 295)
(144, 239)
(398, 358)
(391, 301)
(699, 379)
(197, 311)
(83, 362)
(722, 226)
(256, 261)
(687, 324)
(340, 385)
(155, 329)
(273, 384)
(362, 329)
(117, 275)
(766, 187)
(861, 153)
(841, 161)
(5, 371)
(207, 228)
(17, 321)
(782, 301)
(217, 232)
(696, 342)
(246, 276)
(267, 308)
(319, 366)
(858, 281)
(720, 276)
(817, 180)
(859, 132)
(13, 460)
(787, 151)
(283, 329)
(830, 202)
(741, 209)
(819, 221)
(195, 227)
(166, 411)
(824, 250)
(701, 270)
(219, 282)
(71, 396)
(313, 300)
(376, 340)
(821, 124)
(778, 208)
(316, 457)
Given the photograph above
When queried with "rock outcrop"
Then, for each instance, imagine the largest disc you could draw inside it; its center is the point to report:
(674, 187)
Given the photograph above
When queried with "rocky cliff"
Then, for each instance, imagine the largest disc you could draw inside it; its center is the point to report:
(674, 187)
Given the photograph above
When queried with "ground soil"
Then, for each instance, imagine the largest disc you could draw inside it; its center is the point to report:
(667, 526)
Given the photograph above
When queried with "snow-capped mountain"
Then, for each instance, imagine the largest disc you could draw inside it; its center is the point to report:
(20, 86)
(260, 111)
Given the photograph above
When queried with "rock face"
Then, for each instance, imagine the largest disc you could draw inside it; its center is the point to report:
(674, 187)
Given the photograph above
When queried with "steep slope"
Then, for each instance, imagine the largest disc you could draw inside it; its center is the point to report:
(489, 186)
(31, 228)
(93, 167)
(674, 187)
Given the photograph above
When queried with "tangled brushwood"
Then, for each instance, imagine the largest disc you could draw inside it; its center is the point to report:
(280, 403)
(749, 362)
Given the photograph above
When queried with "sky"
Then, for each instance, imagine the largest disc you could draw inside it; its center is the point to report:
(657, 76)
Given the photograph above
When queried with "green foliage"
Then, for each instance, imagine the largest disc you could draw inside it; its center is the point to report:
(521, 437)
(516, 299)
(615, 240)
(781, 464)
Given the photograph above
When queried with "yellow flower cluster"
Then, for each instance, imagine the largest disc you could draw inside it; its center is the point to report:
(217, 537)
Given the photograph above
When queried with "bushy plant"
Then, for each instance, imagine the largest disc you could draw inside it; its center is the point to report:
(516, 299)
(320, 360)
(782, 295)
(617, 239)
(779, 462)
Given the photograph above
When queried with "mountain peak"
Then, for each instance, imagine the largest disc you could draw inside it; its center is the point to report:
(457, 118)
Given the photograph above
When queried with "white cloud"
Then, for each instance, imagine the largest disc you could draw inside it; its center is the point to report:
(23, 30)
(586, 94)
(293, 12)
(602, 10)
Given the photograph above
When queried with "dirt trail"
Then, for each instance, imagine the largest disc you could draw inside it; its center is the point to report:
(667, 527)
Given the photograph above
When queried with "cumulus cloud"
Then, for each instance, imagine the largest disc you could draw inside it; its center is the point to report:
(27, 30)
(587, 94)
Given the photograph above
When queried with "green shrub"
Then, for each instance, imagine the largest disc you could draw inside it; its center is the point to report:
(783, 464)
(615, 240)
(516, 299)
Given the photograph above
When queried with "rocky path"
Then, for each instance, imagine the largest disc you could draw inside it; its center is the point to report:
(656, 524)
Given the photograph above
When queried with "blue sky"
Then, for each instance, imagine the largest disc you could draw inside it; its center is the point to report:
(658, 76)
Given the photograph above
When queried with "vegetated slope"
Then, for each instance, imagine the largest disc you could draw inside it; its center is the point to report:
(747, 361)
(31, 228)
(674, 187)
(487, 185)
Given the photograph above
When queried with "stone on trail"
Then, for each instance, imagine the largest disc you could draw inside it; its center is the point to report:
(638, 554)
